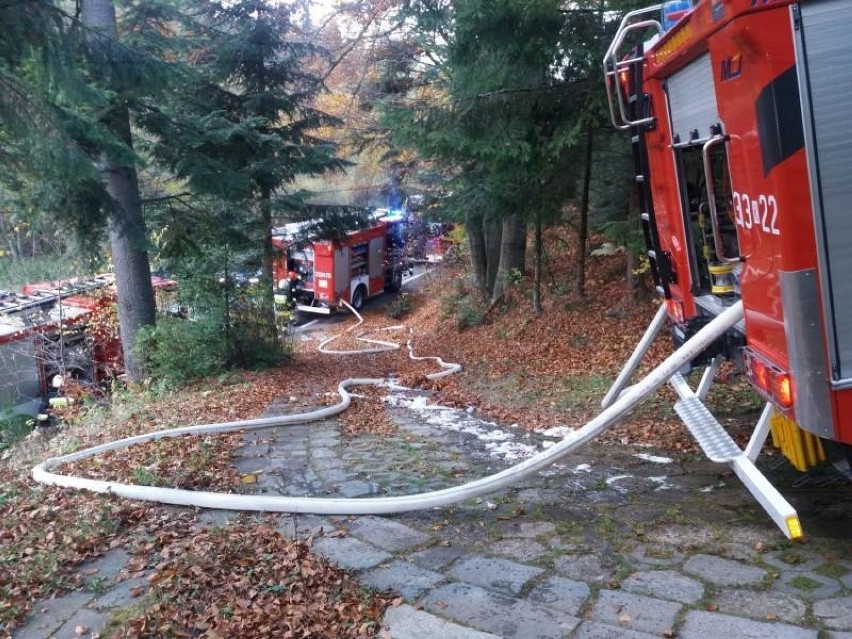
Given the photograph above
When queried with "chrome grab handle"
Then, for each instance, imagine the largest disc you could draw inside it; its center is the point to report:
(711, 197)
(612, 66)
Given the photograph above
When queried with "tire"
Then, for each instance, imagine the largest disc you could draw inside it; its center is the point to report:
(359, 297)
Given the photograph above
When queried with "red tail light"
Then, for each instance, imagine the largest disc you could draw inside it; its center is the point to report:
(675, 310)
(760, 375)
(773, 383)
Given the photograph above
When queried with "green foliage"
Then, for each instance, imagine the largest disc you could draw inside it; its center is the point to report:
(59, 86)
(400, 307)
(227, 328)
(237, 132)
(14, 427)
(332, 222)
(251, 342)
(177, 351)
(470, 313)
(242, 125)
(515, 277)
(508, 126)
(463, 302)
(15, 273)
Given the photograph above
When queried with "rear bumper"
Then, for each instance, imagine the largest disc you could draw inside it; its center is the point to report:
(319, 310)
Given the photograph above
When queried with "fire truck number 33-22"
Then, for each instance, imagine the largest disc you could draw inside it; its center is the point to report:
(759, 212)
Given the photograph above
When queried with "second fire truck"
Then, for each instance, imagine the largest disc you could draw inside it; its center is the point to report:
(360, 265)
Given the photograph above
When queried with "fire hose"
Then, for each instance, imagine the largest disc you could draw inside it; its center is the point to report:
(629, 399)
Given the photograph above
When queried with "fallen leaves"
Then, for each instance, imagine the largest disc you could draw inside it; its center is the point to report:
(249, 581)
(190, 462)
(366, 415)
(47, 532)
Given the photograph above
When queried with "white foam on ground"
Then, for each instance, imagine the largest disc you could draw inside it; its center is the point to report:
(654, 459)
(711, 487)
(498, 443)
(662, 483)
(511, 451)
(558, 431)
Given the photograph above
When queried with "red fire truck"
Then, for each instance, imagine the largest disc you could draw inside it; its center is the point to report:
(362, 265)
(735, 111)
(43, 332)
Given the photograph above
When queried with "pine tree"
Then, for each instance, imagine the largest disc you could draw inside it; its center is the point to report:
(244, 128)
(126, 225)
(508, 130)
(65, 86)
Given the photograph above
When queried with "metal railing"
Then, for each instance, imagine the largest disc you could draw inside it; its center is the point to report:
(613, 66)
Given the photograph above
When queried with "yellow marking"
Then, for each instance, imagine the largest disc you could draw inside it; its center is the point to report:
(795, 527)
(675, 42)
(802, 448)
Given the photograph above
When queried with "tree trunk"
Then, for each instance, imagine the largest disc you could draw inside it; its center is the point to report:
(126, 226)
(478, 256)
(630, 277)
(583, 230)
(6, 234)
(267, 259)
(493, 231)
(513, 253)
(539, 259)
(632, 213)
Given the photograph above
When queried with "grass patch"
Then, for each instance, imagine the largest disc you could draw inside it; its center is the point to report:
(832, 570)
(14, 274)
(581, 390)
(14, 428)
(804, 583)
(793, 558)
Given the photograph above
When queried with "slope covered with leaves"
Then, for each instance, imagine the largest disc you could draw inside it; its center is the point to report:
(540, 372)
(554, 369)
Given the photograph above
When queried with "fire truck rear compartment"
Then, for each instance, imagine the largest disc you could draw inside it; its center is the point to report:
(710, 274)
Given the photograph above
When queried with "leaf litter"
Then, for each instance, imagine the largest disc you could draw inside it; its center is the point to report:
(247, 580)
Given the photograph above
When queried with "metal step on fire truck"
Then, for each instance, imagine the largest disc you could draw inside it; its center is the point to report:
(361, 265)
(743, 151)
(43, 333)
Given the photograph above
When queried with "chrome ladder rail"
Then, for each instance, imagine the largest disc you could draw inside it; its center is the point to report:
(612, 66)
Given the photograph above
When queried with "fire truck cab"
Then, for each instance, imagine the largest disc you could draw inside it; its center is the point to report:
(742, 156)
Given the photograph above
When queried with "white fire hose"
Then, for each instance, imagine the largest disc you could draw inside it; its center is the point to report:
(629, 399)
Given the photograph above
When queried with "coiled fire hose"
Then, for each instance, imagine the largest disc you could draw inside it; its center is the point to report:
(628, 400)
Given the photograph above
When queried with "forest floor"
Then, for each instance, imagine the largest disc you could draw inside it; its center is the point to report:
(521, 371)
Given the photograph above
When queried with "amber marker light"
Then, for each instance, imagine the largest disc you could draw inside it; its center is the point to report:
(784, 390)
(675, 310)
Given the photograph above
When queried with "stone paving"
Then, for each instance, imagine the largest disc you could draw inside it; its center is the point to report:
(608, 544)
